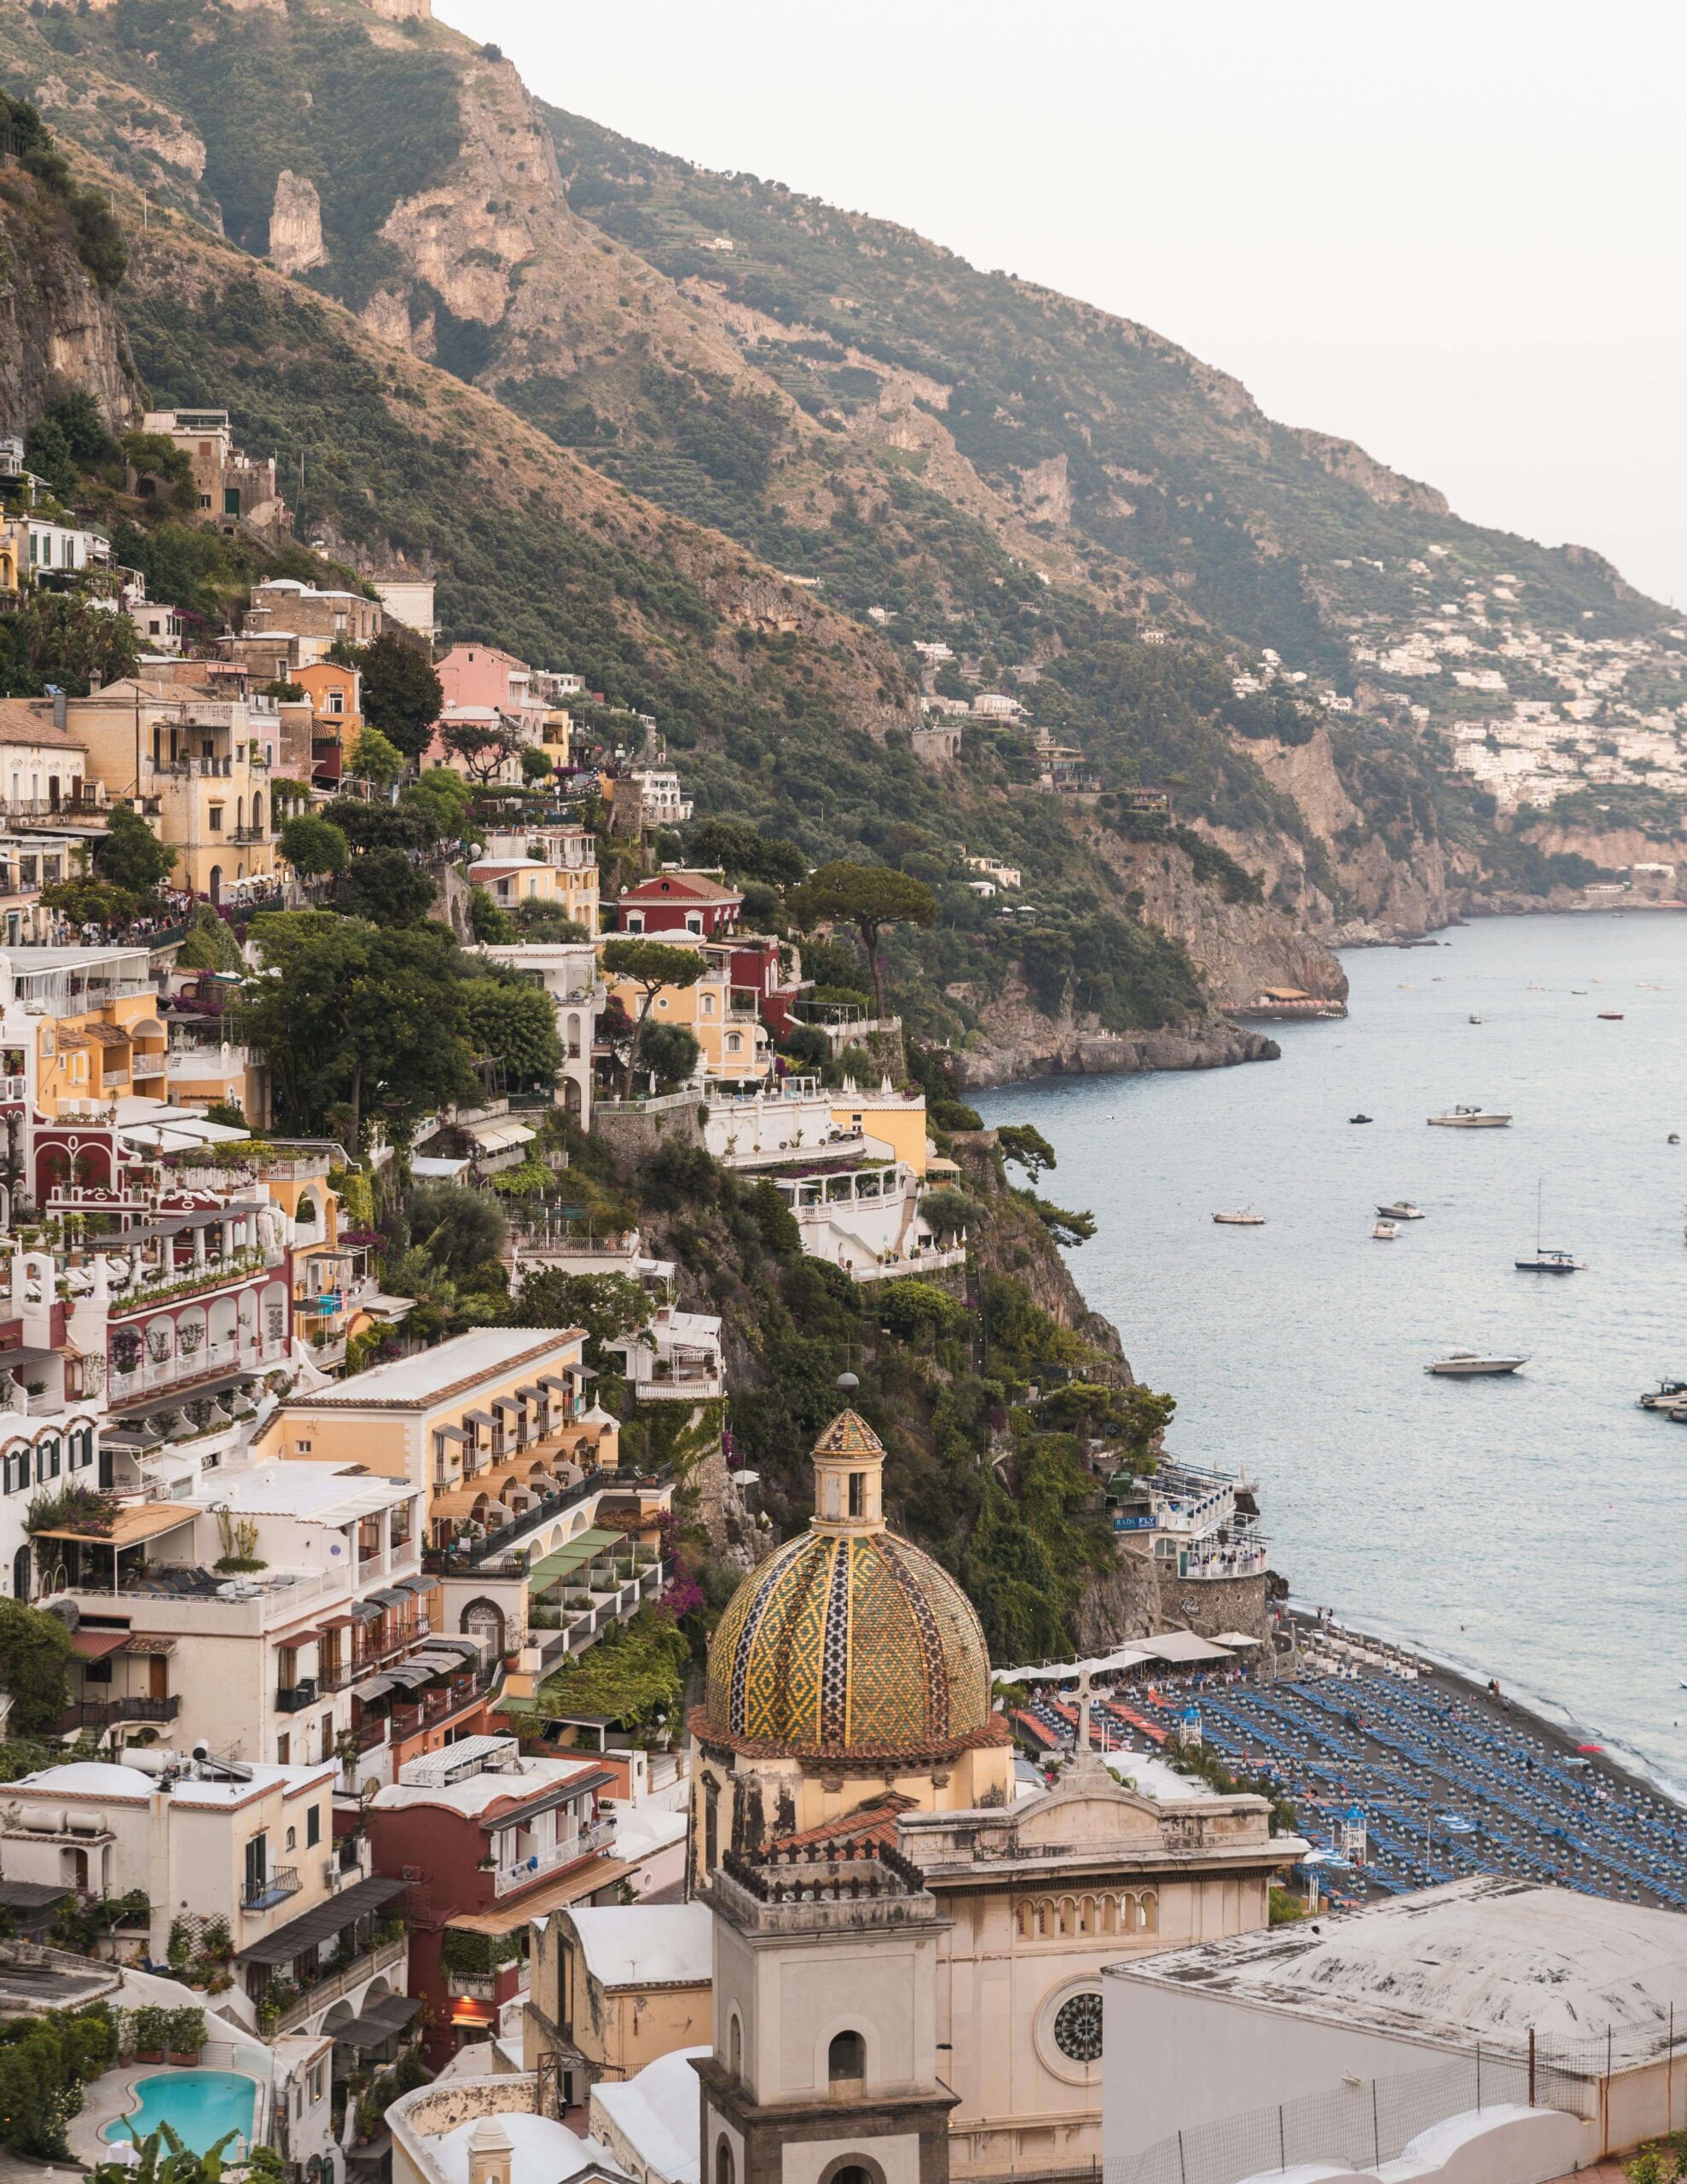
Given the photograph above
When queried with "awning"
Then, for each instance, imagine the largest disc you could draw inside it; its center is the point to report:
(453, 1433)
(145, 1520)
(388, 1595)
(499, 1136)
(374, 1687)
(459, 1501)
(534, 1394)
(468, 1647)
(480, 1418)
(295, 1639)
(574, 1887)
(107, 1035)
(384, 2022)
(509, 1402)
(563, 1561)
(322, 1924)
(1182, 1648)
(555, 1381)
(337, 1622)
(415, 1584)
(410, 1674)
(366, 1610)
(1235, 1638)
(94, 1645)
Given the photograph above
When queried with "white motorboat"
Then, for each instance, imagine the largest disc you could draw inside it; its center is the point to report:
(1466, 1365)
(1476, 1019)
(1470, 1119)
(1386, 1231)
(1244, 1219)
(1404, 1210)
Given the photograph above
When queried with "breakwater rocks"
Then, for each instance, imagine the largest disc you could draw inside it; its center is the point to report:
(1045, 1048)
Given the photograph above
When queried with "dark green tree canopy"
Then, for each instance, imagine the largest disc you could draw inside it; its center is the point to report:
(313, 845)
(869, 897)
(131, 856)
(402, 697)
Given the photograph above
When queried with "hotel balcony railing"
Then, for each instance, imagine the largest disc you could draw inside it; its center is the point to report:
(107, 1713)
(268, 1889)
(211, 1360)
(525, 1871)
(320, 1993)
(470, 1554)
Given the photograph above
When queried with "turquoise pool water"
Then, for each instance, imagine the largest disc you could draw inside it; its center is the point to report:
(200, 2107)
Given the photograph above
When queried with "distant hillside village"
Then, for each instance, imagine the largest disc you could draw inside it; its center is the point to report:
(580, 1595)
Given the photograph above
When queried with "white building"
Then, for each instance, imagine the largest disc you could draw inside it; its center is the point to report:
(568, 971)
(675, 1359)
(664, 803)
(648, 2122)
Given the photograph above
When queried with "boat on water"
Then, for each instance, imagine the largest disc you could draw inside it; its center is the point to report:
(1466, 1365)
(1404, 1210)
(1244, 1218)
(1361, 1118)
(1668, 1395)
(1610, 1016)
(1674, 1137)
(1476, 1019)
(1470, 1119)
(1386, 1231)
(1545, 1260)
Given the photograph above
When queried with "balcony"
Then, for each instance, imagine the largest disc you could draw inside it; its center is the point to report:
(468, 1554)
(386, 1956)
(265, 1890)
(150, 1065)
(524, 1872)
(683, 1384)
(295, 1698)
(109, 1713)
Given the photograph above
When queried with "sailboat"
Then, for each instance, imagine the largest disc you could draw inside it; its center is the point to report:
(1546, 1261)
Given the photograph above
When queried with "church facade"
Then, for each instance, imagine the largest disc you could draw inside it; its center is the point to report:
(907, 1950)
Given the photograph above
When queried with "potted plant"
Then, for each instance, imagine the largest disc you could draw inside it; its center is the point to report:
(152, 2031)
(185, 2032)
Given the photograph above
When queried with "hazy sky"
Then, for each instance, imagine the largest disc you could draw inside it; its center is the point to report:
(1452, 232)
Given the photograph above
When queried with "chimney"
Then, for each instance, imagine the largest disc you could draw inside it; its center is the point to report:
(491, 2154)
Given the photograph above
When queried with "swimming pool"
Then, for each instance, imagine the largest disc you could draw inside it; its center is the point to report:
(200, 2107)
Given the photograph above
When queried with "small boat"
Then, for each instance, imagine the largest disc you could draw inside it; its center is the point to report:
(1470, 1119)
(1546, 1260)
(1674, 1138)
(1610, 1016)
(1476, 1019)
(1404, 1210)
(1466, 1365)
(1246, 1219)
(1386, 1231)
(1668, 1395)
(1361, 1118)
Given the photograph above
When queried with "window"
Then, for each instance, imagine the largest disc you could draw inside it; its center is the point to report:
(1077, 2028)
(846, 2058)
(723, 2163)
(313, 1827)
(17, 1470)
(292, 1838)
(47, 1458)
(283, 1749)
(216, 818)
(854, 1493)
(336, 701)
(231, 500)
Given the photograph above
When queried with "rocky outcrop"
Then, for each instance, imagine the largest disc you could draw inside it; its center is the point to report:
(59, 333)
(1388, 488)
(296, 224)
(1014, 1241)
(1018, 1041)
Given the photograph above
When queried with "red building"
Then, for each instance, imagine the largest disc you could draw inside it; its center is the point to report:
(681, 901)
(487, 1839)
(755, 966)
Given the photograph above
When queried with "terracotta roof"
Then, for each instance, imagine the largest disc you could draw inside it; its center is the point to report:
(692, 886)
(29, 720)
(871, 1823)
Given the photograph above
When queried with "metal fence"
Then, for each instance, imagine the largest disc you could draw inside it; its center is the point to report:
(1365, 2120)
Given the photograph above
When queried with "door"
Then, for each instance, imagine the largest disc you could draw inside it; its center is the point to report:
(107, 1471)
(256, 1868)
(216, 886)
(158, 1676)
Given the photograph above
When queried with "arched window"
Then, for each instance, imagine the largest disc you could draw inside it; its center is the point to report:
(723, 2163)
(21, 1587)
(735, 2046)
(846, 2058)
(851, 2173)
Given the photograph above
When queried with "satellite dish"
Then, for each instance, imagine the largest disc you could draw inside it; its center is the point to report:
(68, 1612)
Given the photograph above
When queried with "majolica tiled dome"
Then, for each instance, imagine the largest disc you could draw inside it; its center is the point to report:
(849, 1642)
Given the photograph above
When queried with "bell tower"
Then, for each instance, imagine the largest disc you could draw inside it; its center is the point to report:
(848, 1475)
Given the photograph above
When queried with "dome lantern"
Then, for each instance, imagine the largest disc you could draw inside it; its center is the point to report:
(849, 1478)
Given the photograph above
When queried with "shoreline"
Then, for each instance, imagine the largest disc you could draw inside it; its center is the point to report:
(1560, 1727)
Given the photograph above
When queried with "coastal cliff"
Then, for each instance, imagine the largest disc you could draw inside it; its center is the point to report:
(1018, 1041)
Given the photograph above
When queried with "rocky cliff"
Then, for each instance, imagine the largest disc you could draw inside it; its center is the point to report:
(1018, 1040)
(59, 331)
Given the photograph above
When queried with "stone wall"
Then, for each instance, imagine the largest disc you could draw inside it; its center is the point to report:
(637, 1131)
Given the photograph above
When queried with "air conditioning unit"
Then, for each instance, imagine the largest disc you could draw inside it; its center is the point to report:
(413, 1873)
(331, 1875)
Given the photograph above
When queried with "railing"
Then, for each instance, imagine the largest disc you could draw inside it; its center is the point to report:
(680, 1387)
(267, 1890)
(525, 1871)
(152, 1065)
(294, 1698)
(154, 1377)
(469, 1555)
(329, 1989)
(408, 1721)
(107, 1713)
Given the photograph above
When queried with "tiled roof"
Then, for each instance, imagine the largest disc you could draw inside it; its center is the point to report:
(29, 720)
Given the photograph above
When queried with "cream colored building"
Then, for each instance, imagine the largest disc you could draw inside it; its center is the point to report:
(848, 1744)
(631, 1982)
(194, 763)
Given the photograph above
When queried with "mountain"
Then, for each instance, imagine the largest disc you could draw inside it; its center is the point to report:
(751, 387)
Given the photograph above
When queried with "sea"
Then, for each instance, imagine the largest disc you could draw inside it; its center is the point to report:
(1530, 1527)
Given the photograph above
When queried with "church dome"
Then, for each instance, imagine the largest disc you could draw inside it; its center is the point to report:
(848, 1642)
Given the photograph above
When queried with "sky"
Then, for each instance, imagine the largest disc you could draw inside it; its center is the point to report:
(1450, 232)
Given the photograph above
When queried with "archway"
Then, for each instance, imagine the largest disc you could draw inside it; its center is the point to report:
(20, 1584)
(485, 1618)
(214, 884)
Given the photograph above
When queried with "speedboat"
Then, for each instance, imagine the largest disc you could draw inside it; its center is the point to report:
(1361, 1118)
(1386, 1231)
(1470, 1119)
(1668, 1395)
(1404, 1210)
(1246, 1219)
(1466, 1365)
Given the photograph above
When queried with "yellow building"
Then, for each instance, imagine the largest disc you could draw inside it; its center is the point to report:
(632, 1982)
(734, 1042)
(193, 761)
(82, 1022)
(336, 695)
(896, 1118)
(569, 854)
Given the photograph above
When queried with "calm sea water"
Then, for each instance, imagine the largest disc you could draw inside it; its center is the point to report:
(1530, 1527)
